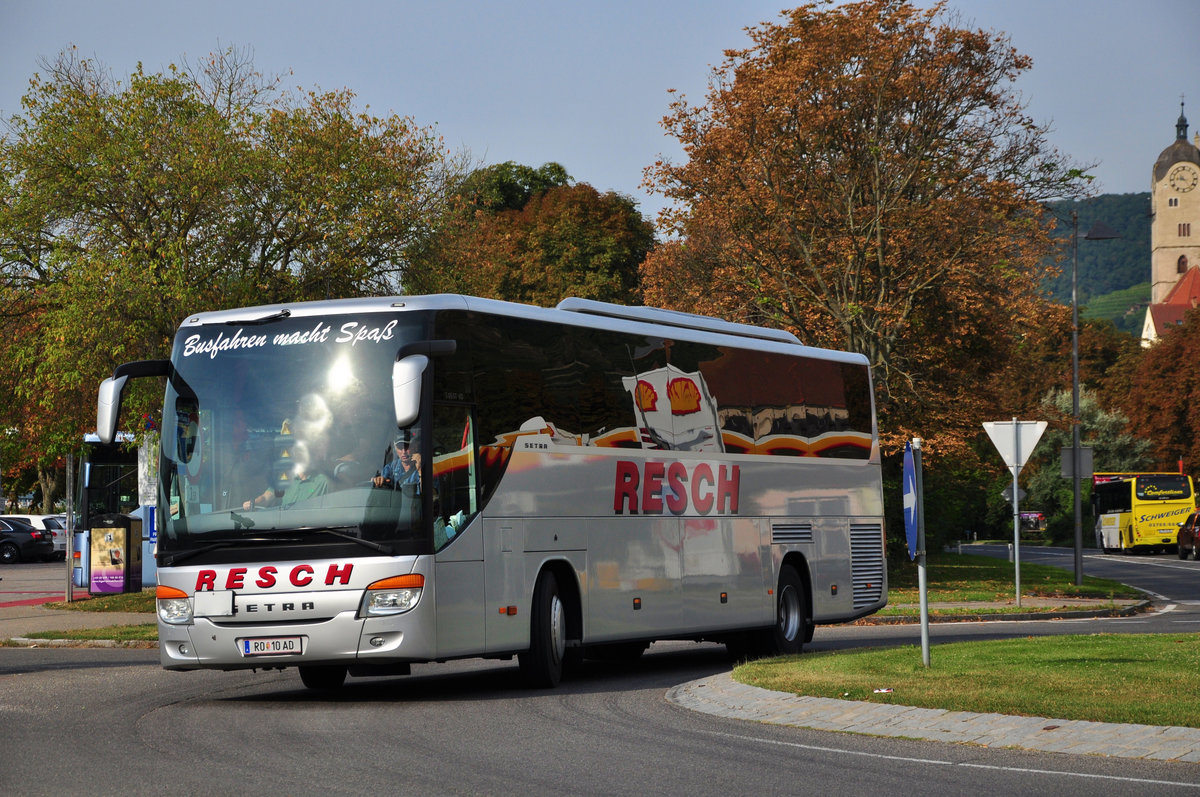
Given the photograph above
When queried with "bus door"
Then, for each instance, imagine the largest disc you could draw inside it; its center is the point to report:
(458, 560)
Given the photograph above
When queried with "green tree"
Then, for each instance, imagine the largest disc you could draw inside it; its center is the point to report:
(509, 185)
(525, 235)
(1114, 448)
(123, 207)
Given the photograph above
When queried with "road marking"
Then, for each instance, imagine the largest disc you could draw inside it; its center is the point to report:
(27, 602)
(940, 762)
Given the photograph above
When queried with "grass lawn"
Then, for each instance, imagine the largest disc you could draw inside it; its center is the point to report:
(142, 632)
(951, 578)
(1133, 678)
(121, 602)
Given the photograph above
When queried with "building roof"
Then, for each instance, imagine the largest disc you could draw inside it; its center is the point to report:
(1179, 151)
(1186, 293)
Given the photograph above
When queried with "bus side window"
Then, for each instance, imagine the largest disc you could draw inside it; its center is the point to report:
(454, 472)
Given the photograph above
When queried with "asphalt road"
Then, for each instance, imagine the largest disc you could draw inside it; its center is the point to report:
(113, 722)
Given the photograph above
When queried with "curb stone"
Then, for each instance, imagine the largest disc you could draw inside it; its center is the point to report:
(1065, 614)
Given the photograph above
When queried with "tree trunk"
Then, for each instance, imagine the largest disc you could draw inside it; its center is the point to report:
(51, 480)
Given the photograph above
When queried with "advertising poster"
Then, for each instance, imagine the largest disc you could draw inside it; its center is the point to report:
(108, 560)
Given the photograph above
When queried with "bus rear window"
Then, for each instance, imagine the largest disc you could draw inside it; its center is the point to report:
(1166, 487)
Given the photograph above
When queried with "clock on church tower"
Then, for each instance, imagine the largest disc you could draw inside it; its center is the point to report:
(1183, 178)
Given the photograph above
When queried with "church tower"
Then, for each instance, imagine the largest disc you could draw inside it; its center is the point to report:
(1175, 213)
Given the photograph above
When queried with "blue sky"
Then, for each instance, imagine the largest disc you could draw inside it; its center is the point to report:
(585, 84)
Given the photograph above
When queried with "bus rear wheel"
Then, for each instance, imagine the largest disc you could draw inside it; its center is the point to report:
(323, 677)
(791, 615)
(542, 664)
(791, 627)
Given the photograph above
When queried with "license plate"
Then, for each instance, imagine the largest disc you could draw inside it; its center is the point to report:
(270, 646)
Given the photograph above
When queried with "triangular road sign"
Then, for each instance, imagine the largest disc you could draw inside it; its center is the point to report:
(1015, 440)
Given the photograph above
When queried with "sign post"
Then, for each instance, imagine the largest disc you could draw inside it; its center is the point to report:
(914, 531)
(1015, 441)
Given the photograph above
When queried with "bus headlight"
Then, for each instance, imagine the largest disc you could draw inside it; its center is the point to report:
(395, 595)
(174, 605)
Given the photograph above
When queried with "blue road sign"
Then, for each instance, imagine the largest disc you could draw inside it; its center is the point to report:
(909, 480)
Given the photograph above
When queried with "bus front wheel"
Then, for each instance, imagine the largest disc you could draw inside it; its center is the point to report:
(542, 664)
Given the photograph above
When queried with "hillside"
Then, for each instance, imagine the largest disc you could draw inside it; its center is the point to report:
(1114, 275)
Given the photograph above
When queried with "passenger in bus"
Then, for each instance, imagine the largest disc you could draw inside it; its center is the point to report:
(307, 452)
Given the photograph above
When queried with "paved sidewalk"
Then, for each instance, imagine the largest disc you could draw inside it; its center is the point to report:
(722, 696)
(17, 621)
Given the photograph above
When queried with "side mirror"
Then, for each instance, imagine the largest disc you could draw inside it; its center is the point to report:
(108, 407)
(406, 387)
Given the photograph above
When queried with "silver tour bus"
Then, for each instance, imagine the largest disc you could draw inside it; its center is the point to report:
(347, 487)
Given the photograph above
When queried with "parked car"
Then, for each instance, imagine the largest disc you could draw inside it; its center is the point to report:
(1186, 540)
(21, 542)
(55, 524)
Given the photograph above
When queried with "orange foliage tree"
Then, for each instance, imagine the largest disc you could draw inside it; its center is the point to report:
(865, 176)
(1163, 399)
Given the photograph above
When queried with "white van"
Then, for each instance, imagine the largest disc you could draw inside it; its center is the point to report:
(55, 524)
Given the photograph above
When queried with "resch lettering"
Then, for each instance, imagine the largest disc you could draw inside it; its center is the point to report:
(269, 576)
(650, 487)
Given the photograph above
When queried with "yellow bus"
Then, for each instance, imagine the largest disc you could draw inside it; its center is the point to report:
(1140, 511)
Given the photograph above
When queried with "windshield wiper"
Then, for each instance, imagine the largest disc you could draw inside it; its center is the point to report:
(336, 531)
(230, 542)
(266, 319)
(274, 537)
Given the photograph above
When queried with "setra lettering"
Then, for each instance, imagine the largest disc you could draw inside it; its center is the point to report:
(678, 488)
(305, 606)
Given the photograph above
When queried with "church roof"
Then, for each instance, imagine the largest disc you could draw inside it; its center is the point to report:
(1180, 150)
(1186, 293)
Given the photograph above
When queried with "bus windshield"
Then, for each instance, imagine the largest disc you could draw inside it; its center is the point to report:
(284, 432)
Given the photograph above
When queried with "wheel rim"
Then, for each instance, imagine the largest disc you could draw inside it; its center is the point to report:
(8, 554)
(558, 628)
(789, 613)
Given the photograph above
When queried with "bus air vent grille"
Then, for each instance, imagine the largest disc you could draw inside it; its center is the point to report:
(866, 563)
(791, 533)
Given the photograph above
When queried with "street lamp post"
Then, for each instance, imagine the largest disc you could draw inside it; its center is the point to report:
(1099, 232)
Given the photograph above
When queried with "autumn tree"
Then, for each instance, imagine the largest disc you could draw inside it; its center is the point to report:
(864, 175)
(1163, 401)
(528, 235)
(126, 206)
